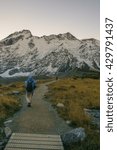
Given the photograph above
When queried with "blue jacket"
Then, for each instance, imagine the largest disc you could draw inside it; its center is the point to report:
(30, 78)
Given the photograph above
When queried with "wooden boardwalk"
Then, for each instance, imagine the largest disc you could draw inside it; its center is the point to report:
(22, 141)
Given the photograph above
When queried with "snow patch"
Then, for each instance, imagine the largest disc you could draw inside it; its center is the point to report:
(7, 75)
(51, 69)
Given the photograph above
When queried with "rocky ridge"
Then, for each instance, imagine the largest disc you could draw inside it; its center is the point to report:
(22, 53)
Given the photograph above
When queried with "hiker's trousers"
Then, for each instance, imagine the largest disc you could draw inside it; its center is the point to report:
(29, 96)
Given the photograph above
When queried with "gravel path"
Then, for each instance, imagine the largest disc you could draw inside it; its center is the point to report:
(40, 118)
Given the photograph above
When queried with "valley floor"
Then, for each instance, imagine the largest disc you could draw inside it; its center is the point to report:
(74, 95)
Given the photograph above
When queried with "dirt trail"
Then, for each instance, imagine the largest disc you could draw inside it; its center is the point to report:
(40, 118)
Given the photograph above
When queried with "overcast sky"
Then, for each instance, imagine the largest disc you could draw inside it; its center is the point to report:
(44, 17)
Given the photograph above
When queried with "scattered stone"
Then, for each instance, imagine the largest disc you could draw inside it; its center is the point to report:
(94, 114)
(60, 105)
(68, 122)
(7, 122)
(74, 136)
(15, 92)
(8, 132)
(3, 138)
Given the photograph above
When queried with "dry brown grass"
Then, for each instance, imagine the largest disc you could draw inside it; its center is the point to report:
(17, 86)
(77, 95)
(9, 103)
(41, 81)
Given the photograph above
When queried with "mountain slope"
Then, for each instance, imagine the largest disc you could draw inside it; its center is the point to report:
(22, 53)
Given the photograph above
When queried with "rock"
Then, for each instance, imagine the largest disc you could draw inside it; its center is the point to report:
(13, 71)
(60, 105)
(3, 139)
(15, 92)
(8, 132)
(95, 116)
(7, 122)
(68, 122)
(74, 136)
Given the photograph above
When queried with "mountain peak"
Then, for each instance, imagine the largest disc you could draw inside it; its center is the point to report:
(15, 37)
(68, 35)
(23, 33)
(63, 36)
(92, 40)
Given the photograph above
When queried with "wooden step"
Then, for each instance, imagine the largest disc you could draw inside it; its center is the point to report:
(23, 141)
(35, 135)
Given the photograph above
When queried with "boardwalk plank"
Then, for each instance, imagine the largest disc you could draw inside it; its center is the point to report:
(34, 146)
(24, 149)
(23, 141)
(36, 139)
(36, 142)
(36, 135)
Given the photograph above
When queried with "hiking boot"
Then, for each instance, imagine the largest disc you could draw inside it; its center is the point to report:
(29, 105)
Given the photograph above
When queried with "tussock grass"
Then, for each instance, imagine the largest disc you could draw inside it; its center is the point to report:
(9, 103)
(17, 86)
(76, 95)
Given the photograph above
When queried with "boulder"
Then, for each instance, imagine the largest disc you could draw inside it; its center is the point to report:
(68, 122)
(60, 105)
(3, 138)
(94, 114)
(74, 136)
(8, 132)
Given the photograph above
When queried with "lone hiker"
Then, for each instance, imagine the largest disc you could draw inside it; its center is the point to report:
(30, 85)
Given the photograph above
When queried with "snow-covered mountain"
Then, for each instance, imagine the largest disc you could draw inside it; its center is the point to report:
(22, 53)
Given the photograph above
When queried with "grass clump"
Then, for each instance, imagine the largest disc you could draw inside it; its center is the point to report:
(9, 103)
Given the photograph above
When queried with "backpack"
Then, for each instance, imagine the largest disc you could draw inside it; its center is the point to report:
(29, 86)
